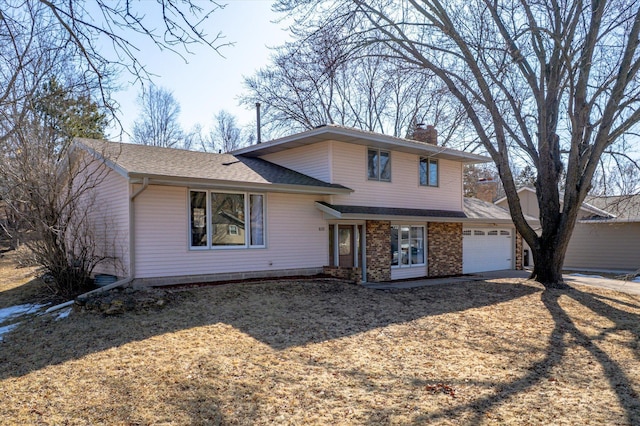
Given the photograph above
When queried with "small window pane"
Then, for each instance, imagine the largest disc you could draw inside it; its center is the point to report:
(433, 172)
(385, 166)
(344, 241)
(505, 233)
(417, 245)
(372, 164)
(423, 171)
(256, 209)
(227, 219)
(476, 232)
(492, 233)
(404, 244)
(198, 203)
(394, 245)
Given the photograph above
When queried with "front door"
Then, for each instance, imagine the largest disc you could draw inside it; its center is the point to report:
(345, 245)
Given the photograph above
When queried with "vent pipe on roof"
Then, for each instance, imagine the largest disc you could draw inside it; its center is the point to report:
(259, 137)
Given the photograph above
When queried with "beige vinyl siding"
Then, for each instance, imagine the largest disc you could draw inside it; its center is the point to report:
(311, 160)
(296, 237)
(349, 164)
(604, 246)
(404, 273)
(109, 212)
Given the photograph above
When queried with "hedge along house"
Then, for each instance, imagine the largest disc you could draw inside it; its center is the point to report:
(346, 202)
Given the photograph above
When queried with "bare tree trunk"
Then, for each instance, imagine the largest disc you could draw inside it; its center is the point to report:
(548, 261)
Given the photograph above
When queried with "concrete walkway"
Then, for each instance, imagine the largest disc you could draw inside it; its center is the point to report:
(618, 285)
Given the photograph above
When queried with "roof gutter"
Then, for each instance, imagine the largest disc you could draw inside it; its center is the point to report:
(242, 186)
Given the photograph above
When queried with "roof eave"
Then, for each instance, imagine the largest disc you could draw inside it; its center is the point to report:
(359, 137)
(78, 144)
(238, 185)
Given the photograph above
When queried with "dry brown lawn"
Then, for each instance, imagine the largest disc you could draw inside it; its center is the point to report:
(324, 352)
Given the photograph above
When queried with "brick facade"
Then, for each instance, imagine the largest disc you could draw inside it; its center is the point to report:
(378, 243)
(353, 274)
(519, 254)
(445, 248)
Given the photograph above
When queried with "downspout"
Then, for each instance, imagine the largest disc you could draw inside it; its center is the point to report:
(132, 234)
(127, 280)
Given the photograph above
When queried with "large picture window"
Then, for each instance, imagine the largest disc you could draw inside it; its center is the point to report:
(428, 172)
(407, 246)
(378, 165)
(226, 219)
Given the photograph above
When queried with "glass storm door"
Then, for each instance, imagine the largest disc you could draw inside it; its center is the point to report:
(345, 245)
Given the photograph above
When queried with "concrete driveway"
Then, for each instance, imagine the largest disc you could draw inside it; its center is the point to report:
(591, 280)
(618, 285)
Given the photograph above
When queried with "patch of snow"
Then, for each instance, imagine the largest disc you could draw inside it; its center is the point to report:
(14, 311)
(586, 276)
(7, 328)
(636, 280)
(63, 314)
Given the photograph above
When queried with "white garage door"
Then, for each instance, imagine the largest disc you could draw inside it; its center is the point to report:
(486, 249)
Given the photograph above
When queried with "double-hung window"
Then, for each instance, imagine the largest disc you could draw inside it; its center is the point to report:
(226, 219)
(378, 165)
(407, 246)
(428, 172)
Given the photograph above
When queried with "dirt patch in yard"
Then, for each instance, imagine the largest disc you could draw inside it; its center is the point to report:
(325, 352)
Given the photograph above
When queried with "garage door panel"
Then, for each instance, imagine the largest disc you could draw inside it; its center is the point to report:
(486, 249)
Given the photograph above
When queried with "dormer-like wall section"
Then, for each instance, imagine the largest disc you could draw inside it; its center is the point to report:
(312, 160)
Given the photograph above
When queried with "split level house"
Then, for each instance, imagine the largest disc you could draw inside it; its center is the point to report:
(332, 200)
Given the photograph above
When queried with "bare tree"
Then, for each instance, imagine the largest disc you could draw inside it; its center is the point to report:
(51, 210)
(54, 68)
(226, 132)
(225, 135)
(320, 79)
(157, 124)
(555, 82)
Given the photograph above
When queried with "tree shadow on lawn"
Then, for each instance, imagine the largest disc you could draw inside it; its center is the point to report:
(34, 291)
(565, 330)
(281, 315)
(292, 314)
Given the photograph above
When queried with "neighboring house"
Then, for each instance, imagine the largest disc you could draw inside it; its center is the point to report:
(605, 238)
(346, 202)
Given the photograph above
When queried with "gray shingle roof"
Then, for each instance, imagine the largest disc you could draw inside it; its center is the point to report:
(624, 207)
(393, 211)
(482, 210)
(151, 161)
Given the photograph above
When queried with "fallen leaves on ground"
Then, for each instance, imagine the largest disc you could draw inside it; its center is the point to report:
(326, 352)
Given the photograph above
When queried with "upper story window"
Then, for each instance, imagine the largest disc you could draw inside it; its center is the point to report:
(226, 219)
(378, 165)
(428, 172)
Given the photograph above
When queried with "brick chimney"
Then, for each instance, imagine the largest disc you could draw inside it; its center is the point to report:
(487, 190)
(427, 134)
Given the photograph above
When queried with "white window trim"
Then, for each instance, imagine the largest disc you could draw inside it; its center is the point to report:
(247, 213)
(424, 245)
